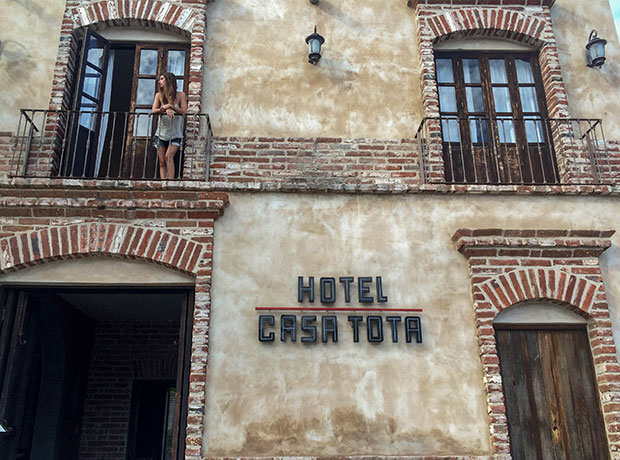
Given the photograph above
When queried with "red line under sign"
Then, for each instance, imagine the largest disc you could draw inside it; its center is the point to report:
(335, 309)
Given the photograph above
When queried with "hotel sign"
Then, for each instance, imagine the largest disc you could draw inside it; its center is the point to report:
(377, 324)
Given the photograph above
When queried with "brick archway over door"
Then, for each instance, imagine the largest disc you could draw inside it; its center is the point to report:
(511, 266)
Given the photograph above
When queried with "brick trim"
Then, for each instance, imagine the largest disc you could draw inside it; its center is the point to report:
(107, 239)
(511, 266)
(549, 3)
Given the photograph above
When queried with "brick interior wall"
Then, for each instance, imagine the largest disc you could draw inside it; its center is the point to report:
(122, 352)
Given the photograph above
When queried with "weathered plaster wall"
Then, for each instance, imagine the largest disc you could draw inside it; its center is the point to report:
(346, 398)
(258, 81)
(30, 33)
(589, 89)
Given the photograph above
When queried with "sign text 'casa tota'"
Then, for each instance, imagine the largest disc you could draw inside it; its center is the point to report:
(364, 289)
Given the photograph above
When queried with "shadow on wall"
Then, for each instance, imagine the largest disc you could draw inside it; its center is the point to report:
(17, 61)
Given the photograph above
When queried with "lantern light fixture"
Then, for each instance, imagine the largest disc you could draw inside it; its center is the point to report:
(595, 50)
(314, 42)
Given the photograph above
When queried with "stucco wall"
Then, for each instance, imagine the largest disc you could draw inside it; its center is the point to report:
(30, 33)
(325, 399)
(589, 89)
(258, 80)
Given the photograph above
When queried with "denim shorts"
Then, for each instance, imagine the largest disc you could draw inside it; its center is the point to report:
(162, 143)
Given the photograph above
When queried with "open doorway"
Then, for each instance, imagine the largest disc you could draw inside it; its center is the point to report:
(94, 373)
(111, 123)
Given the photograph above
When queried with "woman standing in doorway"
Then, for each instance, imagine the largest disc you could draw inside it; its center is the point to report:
(171, 105)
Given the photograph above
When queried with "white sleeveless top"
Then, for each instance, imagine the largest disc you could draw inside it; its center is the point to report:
(168, 129)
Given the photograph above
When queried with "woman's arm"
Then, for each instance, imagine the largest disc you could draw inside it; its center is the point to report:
(157, 107)
(182, 108)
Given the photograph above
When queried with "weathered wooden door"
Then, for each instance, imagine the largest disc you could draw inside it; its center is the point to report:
(552, 401)
(151, 60)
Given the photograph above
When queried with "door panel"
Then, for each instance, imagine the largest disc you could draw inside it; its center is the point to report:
(493, 119)
(552, 400)
(151, 60)
(80, 157)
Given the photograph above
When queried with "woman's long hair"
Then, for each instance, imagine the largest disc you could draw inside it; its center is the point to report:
(168, 92)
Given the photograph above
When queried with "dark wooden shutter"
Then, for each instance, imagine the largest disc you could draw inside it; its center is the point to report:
(80, 157)
(15, 355)
(183, 370)
(552, 401)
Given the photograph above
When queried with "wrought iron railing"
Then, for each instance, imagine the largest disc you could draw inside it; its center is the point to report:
(503, 150)
(105, 145)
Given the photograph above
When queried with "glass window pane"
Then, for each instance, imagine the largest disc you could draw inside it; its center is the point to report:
(143, 123)
(148, 62)
(444, 71)
(524, 71)
(501, 97)
(534, 131)
(474, 99)
(450, 130)
(528, 99)
(471, 71)
(447, 99)
(506, 130)
(91, 85)
(498, 71)
(95, 52)
(176, 62)
(180, 85)
(478, 130)
(87, 117)
(146, 91)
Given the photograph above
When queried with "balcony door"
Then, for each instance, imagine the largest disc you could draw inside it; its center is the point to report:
(111, 127)
(495, 126)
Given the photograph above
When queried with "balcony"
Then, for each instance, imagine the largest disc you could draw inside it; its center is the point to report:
(104, 145)
(529, 151)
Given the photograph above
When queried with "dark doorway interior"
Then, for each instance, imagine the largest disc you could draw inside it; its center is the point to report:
(93, 373)
(120, 104)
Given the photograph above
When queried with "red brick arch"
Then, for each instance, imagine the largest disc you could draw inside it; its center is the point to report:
(497, 22)
(119, 12)
(106, 239)
(521, 285)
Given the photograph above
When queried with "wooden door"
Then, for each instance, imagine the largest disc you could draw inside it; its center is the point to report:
(16, 346)
(151, 60)
(80, 157)
(552, 401)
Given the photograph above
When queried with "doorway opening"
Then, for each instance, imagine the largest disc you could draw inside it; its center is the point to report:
(94, 373)
(111, 125)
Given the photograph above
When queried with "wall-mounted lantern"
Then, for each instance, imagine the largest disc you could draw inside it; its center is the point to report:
(314, 42)
(595, 50)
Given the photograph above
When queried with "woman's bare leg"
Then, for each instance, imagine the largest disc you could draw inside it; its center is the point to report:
(172, 150)
(163, 168)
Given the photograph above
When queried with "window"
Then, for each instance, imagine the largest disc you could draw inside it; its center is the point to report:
(493, 119)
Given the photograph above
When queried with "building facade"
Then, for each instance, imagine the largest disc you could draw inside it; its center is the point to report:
(406, 249)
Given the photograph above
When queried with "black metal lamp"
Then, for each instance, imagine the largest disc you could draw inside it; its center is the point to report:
(595, 50)
(314, 42)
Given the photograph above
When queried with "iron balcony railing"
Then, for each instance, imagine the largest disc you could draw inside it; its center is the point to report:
(105, 145)
(504, 150)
